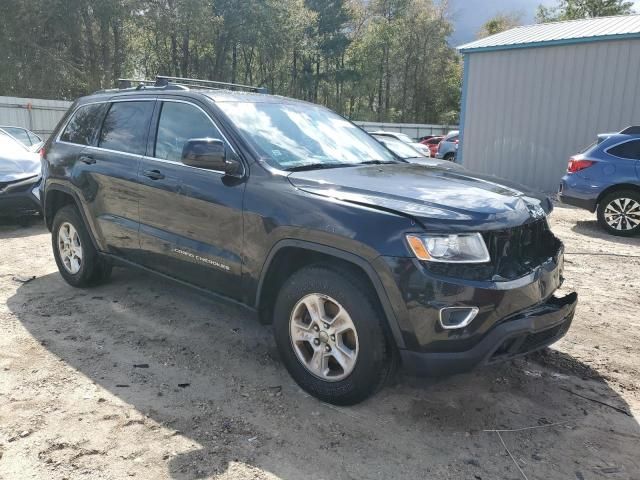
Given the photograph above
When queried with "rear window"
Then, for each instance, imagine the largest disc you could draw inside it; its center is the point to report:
(83, 127)
(125, 127)
(630, 150)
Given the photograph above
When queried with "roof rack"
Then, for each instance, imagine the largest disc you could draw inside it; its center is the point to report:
(162, 80)
(183, 83)
(632, 130)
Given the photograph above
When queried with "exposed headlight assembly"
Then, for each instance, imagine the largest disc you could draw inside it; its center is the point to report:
(450, 248)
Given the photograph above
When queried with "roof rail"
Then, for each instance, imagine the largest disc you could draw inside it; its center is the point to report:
(162, 81)
(632, 130)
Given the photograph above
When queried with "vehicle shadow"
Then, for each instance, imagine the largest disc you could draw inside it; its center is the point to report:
(11, 228)
(591, 229)
(199, 370)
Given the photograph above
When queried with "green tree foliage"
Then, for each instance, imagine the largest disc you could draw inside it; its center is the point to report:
(577, 9)
(500, 23)
(367, 59)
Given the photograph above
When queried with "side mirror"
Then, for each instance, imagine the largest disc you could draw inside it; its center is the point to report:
(211, 154)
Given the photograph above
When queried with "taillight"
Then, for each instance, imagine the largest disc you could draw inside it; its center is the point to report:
(575, 164)
(42, 152)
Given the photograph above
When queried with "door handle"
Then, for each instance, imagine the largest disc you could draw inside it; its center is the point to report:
(87, 159)
(153, 174)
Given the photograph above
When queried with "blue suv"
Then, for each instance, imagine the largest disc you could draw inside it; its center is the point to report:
(606, 177)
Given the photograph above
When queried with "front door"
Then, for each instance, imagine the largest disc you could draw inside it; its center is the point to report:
(190, 218)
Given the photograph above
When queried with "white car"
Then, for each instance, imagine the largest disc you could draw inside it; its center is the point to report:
(423, 149)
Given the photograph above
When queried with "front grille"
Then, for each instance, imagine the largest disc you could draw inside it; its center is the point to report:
(514, 253)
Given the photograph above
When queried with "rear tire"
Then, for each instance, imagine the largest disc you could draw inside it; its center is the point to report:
(619, 213)
(78, 261)
(450, 157)
(355, 355)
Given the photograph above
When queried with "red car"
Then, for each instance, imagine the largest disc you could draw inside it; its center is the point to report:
(432, 143)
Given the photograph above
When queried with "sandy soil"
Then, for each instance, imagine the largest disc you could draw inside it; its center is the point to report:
(143, 378)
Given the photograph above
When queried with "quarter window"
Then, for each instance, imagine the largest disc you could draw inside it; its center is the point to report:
(630, 149)
(125, 127)
(85, 123)
(178, 123)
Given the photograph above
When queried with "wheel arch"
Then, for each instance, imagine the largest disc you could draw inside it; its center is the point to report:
(289, 256)
(58, 196)
(615, 188)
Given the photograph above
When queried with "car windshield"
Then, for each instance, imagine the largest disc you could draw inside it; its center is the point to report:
(404, 137)
(399, 148)
(298, 136)
(10, 146)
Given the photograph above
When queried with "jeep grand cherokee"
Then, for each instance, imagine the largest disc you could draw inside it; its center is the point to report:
(361, 261)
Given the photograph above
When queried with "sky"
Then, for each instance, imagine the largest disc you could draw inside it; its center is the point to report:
(469, 15)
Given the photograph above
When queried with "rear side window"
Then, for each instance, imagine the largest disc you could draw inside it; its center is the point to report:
(125, 127)
(83, 127)
(178, 123)
(630, 150)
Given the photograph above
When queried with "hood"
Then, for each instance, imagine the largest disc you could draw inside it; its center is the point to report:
(437, 198)
(18, 167)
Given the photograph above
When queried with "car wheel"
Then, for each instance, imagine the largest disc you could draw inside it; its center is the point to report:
(78, 261)
(331, 336)
(619, 213)
(450, 157)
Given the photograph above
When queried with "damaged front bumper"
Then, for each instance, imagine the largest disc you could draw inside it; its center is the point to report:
(528, 331)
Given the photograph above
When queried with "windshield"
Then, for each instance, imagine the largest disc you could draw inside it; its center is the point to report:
(10, 146)
(404, 137)
(399, 148)
(292, 136)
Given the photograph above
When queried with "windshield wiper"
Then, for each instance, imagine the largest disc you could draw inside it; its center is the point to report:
(377, 162)
(319, 166)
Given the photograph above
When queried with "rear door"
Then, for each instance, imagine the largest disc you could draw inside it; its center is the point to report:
(190, 218)
(110, 183)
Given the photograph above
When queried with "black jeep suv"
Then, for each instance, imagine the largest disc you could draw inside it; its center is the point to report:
(359, 260)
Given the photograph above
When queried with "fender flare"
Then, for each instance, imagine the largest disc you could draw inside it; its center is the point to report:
(364, 264)
(76, 199)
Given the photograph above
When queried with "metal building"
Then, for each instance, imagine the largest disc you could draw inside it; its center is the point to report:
(534, 95)
(38, 115)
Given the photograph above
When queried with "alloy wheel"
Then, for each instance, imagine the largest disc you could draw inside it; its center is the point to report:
(622, 214)
(324, 337)
(70, 248)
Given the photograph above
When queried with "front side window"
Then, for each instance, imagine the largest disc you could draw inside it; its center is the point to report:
(291, 135)
(83, 127)
(178, 123)
(630, 150)
(125, 127)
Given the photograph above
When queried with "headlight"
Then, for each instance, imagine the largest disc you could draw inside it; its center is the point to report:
(453, 248)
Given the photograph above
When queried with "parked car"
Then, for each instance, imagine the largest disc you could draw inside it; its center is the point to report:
(29, 139)
(605, 178)
(432, 142)
(406, 139)
(410, 155)
(19, 179)
(448, 147)
(360, 260)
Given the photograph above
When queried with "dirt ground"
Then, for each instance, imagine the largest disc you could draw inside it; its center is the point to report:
(144, 378)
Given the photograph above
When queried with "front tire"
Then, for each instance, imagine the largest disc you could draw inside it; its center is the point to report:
(331, 336)
(619, 213)
(78, 261)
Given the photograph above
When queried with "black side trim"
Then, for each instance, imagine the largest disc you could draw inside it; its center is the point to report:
(392, 321)
(127, 263)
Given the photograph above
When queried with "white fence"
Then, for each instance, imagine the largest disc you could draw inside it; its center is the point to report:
(414, 130)
(38, 115)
